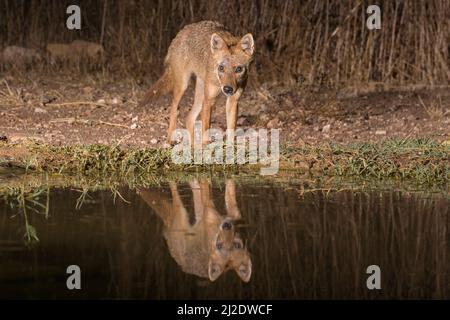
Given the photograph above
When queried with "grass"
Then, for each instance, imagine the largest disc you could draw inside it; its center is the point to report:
(435, 110)
(422, 161)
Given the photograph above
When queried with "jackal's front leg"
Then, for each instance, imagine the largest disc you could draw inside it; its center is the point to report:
(232, 110)
(208, 102)
(230, 200)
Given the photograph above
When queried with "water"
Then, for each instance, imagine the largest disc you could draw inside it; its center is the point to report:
(285, 243)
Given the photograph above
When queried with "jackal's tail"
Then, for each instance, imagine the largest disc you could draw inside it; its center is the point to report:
(161, 87)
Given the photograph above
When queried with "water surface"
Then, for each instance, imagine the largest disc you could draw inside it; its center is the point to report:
(163, 243)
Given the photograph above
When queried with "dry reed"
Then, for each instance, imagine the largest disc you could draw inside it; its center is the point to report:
(297, 41)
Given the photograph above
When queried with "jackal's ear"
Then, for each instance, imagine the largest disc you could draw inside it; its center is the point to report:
(214, 270)
(217, 43)
(244, 270)
(247, 44)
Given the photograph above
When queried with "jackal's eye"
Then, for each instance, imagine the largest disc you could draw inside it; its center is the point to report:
(237, 245)
(219, 245)
(221, 68)
(239, 69)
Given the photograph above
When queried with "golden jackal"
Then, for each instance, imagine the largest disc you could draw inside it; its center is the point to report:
(211, 245)
(220, 62)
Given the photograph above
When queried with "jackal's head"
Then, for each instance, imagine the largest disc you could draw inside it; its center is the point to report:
(232, 59)
(228, 252)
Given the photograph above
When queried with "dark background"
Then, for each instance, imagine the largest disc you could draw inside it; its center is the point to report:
(296, 41)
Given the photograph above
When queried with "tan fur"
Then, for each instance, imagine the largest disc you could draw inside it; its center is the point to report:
(199, 49)
(206, 248)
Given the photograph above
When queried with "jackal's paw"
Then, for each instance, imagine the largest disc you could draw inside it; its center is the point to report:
(166, 145)
(176, 138)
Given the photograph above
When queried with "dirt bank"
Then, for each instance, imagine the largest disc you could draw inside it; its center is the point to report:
(65, 110)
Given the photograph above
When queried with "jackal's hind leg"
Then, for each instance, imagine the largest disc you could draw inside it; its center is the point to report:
(196, 107)
(180, 86)
(180, 218)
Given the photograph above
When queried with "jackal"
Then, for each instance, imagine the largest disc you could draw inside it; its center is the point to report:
(220, 62)
(209, 246)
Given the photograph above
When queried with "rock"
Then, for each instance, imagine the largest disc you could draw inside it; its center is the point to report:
(133, 126)
(326, 128)
(88, 90)
(22, 137)
(39, 110)
(102, 101)
(78, 49)
(115, 101)
(380, 132)
(135, 119)
(264, 118)
(241, 121)
(154, 141)
(282, 115)
(20, 55)
(87, 49)
(274, 123)
(47, 99)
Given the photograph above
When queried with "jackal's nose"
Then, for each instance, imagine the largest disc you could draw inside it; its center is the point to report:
(226, 225)
(228, 90)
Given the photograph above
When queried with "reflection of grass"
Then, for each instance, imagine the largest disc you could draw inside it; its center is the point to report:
(81, 199)
(26, 199)
(23, 201)
(420, 160)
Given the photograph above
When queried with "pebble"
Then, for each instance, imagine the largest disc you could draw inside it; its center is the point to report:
(273, 123)
(241, 121)
(39, 110)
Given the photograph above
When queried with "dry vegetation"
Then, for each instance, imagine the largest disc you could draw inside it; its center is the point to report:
(297, 41)
(321, 49)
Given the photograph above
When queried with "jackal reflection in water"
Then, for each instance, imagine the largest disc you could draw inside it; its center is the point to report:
(209, 246)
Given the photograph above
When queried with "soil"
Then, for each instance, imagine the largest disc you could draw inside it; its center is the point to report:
(64, 110)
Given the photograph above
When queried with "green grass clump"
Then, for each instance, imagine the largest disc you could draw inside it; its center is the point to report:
(421, 160)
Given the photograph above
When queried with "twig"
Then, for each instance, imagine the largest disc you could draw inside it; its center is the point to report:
(86, 121)
(76, 103)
